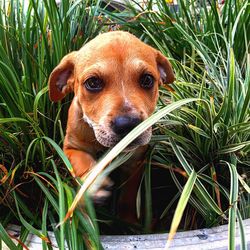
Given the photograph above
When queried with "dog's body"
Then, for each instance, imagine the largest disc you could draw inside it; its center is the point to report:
(115, 79)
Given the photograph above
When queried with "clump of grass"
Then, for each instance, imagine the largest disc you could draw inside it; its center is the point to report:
(35, 188)
(208, 46)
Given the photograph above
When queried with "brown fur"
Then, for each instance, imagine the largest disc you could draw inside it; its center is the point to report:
(119, 59)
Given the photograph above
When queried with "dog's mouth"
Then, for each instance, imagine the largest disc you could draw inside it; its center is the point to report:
(109, 139)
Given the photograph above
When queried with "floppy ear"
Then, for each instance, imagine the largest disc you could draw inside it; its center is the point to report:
(165, 69)
(61, 80)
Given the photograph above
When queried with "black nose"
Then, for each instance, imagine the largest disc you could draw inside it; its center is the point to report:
(124, 124)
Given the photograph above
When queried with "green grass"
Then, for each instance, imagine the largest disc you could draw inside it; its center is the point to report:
(201, 148)
(208, 47)
(36, 190)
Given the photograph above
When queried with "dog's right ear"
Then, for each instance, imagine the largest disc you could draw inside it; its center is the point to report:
(61, 80)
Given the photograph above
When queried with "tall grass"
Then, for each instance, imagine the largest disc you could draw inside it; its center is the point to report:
(203, 146)
(208, 45)
(35, 189)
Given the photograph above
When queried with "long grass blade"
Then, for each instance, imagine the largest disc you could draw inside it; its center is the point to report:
(182, 203)
(243, 239)
(61, 205)
(234, 189)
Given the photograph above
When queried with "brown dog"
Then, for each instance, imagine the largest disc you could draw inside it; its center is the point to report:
(115, 79)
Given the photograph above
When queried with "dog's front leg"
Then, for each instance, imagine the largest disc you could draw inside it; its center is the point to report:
(82, 162)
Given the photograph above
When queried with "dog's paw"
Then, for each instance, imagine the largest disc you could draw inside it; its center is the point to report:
(102, 194)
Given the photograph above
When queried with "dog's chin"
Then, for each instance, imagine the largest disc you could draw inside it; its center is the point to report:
(110, 140)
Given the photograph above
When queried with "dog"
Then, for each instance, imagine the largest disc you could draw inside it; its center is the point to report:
(115, 79)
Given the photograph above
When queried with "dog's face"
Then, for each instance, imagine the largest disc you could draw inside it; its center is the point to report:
(115, 79)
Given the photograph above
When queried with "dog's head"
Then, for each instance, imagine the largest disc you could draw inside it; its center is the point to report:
(115, 79)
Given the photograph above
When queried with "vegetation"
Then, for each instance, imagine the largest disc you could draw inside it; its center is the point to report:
(201, 139)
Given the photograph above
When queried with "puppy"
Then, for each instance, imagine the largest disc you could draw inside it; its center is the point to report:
(115, 79)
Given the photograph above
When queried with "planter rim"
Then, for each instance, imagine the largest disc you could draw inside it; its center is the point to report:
(206, 238)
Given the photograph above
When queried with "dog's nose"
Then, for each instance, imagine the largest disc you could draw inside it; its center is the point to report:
(124, 124)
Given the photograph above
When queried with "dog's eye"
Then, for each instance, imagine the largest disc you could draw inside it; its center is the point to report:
(147, 81)
(94, 84)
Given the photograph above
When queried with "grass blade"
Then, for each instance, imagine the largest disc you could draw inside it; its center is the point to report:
(6, 239)
(61, 205)
(28, 225)
(243, 245)
(234, 189)
(202, 192)
(181, 206)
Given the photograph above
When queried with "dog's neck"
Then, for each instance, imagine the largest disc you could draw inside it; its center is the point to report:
(79, 130)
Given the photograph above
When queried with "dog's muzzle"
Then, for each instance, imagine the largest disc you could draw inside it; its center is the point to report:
(119, 128)
(110, 139)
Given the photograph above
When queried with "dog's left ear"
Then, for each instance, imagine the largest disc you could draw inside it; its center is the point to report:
(165, 69)
(61, 80)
